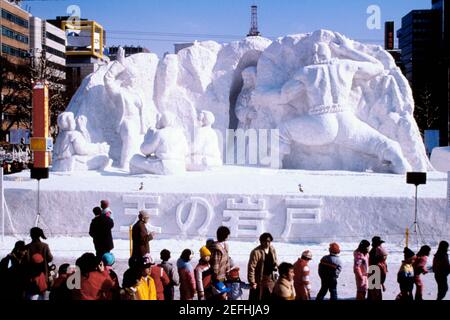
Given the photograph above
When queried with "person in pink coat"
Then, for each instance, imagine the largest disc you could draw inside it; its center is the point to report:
(360, 268)
(420, 267)
(187, 277)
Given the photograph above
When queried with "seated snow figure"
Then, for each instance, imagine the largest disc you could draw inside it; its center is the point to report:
(165, 149)
(205, 152)
(245, 111)
(72, 152)
(320, 92)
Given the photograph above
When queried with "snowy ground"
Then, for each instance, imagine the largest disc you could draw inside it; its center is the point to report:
(68, 249)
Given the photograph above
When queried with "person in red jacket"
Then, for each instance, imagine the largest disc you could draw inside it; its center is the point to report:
(161, 280)
(302, 282)
(187, 277)
(96, 283)
(420, 267)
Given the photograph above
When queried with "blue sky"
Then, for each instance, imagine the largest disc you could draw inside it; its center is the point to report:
(164, 22)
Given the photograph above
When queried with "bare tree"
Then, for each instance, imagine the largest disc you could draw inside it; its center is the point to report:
(426, 111)
(15, 101)
(17, 81)
(42, 69)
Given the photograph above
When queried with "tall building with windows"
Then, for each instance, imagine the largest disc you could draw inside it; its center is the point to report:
(15, 33)
(47, 39)
(424, 44)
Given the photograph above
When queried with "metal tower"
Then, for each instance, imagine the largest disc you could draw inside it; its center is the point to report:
(254, 24)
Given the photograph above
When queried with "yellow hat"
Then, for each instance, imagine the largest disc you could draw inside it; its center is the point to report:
(204, 252)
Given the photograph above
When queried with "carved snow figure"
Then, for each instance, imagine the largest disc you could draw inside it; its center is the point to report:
(205, 152)
(72, 152)
(321, 93)
(165, 149)
(120, 82)
(245, 111)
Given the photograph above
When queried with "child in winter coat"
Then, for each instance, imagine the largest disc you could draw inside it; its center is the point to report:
(378, 258)
(161, 280)
(236, 285)
(360, 268)
(146, 288)
(284, 287)
(187, 277)
(60, 291)
(405, 276)
(203, 275)
(169, 268)
(302, 283)
(108, 261)
(130, 281)
(37, 280)
(420, 267)
(329, 269)
(104, 204)
(441, 269)
(96, 283)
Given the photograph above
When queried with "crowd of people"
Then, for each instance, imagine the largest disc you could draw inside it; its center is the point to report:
(27, 273)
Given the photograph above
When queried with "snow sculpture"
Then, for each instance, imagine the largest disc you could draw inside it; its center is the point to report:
(338, 104)
(440, 158)
(73, 152)
(245, 111)
(103, 109)
(317, 88)
(205, 152)
(119, 83)
(165, 149)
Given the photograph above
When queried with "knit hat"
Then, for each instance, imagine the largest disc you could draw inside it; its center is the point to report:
(204, 252)
(108, 259)
(408, 253)
(37, 258)
(307, 254)
(335, 248)
(234, 273)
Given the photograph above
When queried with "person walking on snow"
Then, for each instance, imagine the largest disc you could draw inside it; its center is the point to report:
(441, 269)
(378, 258)
(220, 259)
(187, 277)
(203, 275)
(405, 276)
(330, 267)
(361, 268)
(420, 267)
(284, 287)
(262, 265)
(302, 282)
(169, 268)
